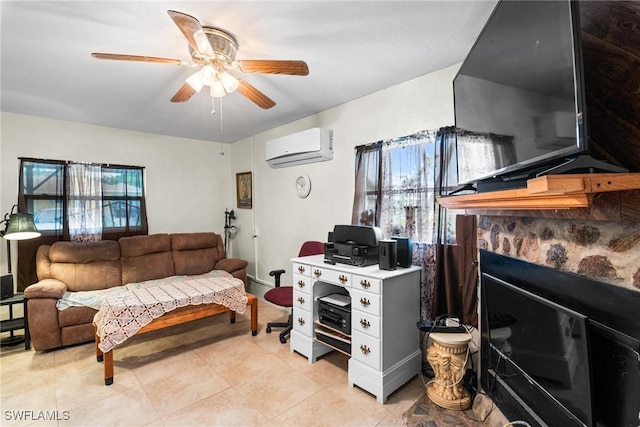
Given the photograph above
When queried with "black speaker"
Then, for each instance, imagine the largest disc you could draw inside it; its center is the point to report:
(404, 252)
(6, 286)
(387, 254)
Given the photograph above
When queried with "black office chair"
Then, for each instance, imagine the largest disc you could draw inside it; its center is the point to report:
(283, 295)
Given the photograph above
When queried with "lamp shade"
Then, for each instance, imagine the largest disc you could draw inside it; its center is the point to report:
(21, 227)
(195, 81)
(229, 82)
(217, 90)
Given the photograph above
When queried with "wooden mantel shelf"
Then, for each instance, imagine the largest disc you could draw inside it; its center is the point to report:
(550, 192)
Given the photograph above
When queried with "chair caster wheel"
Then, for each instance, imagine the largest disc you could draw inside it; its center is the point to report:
(268, 329)
(283, 340)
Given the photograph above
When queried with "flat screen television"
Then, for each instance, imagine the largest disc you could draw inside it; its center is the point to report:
(519, 96)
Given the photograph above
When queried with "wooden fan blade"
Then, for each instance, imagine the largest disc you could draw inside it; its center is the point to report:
(193, 32)
(184, 93)
(292, 68)
(255, 96)
(154, 59)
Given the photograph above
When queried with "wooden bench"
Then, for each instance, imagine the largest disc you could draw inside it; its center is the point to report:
(176, 317)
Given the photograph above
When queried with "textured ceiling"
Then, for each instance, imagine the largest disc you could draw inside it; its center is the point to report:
(353, 48)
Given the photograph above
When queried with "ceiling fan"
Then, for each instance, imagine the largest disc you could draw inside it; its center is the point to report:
(214, 51)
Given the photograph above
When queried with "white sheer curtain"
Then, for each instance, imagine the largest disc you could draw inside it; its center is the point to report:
(407, 187)
(479, 154)
(84, 190)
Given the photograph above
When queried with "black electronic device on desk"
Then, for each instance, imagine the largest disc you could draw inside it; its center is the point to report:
(334, 322)
(335, 310)
(354, 245)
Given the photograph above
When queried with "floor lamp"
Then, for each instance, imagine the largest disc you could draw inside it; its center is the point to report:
(18, 226)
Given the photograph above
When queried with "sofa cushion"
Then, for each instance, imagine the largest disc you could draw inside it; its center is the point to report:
(134, 246)
(84, 266)
(146, 258)
(196, 253)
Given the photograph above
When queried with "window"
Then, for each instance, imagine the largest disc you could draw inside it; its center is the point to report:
(408, 194)
(61, 199)
(42, 185)
(122, 196)
(396, 186)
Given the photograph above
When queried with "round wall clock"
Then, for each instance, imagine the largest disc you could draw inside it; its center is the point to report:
(303, 186)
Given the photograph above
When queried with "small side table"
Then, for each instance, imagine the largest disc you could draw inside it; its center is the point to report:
(15, 323)
(448, 358)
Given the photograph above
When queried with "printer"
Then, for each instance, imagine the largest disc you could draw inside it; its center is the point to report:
(334, 310)
(353, 244)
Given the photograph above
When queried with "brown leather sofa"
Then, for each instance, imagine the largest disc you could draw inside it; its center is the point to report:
(76, 266)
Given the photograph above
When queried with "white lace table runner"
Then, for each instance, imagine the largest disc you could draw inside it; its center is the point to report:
(122, 316)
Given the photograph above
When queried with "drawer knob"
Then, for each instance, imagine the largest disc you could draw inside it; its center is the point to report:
(364, 349)
(365, 284)
(301, 300)
(300, 321)
(364, 323)
(301, 269)
(365, 302)
(317, 273)
(301, 284)
(343, 279)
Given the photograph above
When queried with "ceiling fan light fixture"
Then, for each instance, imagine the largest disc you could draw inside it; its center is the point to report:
(217, 89)
(214, 51)
(229, 82)
(195, 81)
(203, 43)
(208, 75)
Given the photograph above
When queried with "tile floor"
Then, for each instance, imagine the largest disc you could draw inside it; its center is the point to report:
(203, 373)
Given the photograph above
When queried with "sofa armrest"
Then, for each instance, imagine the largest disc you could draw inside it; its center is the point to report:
(231, 264)
(46, 288)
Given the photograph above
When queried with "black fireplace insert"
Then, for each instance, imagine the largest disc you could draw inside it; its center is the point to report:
(557, 348)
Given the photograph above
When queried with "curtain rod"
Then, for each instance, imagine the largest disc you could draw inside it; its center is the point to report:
(398, 139)
(66, 162)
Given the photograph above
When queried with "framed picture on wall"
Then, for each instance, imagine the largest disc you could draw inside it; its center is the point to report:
(243, 190)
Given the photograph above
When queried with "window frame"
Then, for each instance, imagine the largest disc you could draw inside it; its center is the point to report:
(59, 198)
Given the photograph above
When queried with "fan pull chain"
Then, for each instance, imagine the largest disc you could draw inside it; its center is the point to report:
(221, 131)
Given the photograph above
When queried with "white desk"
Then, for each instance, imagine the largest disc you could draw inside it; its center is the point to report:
(385, 305)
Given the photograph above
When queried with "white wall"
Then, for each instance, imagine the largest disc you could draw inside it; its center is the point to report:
(187, 181)
(279, 219)
(191, 177)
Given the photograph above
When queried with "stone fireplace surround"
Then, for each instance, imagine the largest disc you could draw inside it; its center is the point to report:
(608, 252)
(604, 250)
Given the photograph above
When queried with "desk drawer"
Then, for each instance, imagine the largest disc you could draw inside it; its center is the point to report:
(331, 276)
(365, 302)
(366, 349)
(366, 284)
(301, 300)
(302, 269)
(365, 323)
(302, 283)
(302, 321)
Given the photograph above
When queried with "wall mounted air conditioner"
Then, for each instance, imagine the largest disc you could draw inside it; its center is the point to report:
(309, 146)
